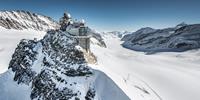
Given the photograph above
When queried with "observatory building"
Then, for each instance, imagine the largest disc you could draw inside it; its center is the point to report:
(76, 29)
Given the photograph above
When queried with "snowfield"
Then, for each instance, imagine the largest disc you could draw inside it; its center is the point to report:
(160, 76)
(166, 76)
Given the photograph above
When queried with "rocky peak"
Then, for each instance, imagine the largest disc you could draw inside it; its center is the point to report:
(54, 67)
(181, 25)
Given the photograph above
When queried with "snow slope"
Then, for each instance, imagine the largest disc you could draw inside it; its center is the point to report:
(106, 88)
(166, 76)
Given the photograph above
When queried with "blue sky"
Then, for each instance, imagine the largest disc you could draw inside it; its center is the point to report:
(109, 15)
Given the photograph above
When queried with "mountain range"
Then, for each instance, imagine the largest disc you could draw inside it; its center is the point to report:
(175, 39)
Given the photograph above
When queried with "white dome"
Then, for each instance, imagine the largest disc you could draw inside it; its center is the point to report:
(67, 15)
(83, 21)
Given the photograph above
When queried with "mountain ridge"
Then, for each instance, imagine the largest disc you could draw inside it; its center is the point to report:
(21, 19)
(180, 38)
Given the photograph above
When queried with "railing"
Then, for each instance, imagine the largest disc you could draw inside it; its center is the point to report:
(75, 36)
(84, 37)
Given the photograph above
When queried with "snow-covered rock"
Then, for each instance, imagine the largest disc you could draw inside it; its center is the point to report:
(26, 20)
(54, 68)
(186, 37)
(161, 76)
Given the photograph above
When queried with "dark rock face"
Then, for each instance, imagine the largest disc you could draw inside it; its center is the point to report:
(180, 38)
(53, 66)
(26, 20)
(90, 94)
(22, 61)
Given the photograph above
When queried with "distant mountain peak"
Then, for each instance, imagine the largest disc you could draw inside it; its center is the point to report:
(181, 25)
(118, 34)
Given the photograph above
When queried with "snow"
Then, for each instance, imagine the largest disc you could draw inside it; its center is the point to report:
(9, 38)
(36, 65)
(166, 76)
(10, 89)
(116, 34)
(107, 89)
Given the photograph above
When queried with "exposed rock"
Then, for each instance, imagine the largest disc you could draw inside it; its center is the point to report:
(90, 57)
(57, 60)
